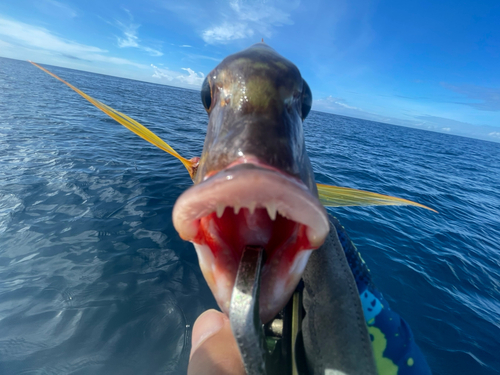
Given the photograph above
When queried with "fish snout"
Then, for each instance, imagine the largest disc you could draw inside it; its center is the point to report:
(250, 203)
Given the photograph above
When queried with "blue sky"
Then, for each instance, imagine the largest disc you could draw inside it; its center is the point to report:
(428, 64)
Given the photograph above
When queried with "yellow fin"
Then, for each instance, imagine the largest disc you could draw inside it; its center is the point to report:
(335, 196)
(131, 125)
(330, 196)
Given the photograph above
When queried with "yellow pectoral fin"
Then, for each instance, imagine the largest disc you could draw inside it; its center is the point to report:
(132, 125)
(335, 196)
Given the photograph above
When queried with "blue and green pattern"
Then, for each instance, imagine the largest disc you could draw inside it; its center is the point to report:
(394, 347)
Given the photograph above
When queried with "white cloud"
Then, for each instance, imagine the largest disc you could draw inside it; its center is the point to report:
(5, 44)
(203, 57)
(480, 97)
(494, 135)
(227, 32)
(55, 8)
(186, 46)
(41, 38)
(243, 19)
(130, 38)
(152, 52)
(436, 123)
(33, 38)
(346, 106)
(338, 106)
(191, 80)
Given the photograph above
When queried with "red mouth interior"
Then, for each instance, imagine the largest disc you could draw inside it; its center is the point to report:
(235, 231)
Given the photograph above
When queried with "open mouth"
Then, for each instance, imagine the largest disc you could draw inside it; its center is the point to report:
(250, 204)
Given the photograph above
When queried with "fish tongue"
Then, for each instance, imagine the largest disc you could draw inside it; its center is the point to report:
(256, 228)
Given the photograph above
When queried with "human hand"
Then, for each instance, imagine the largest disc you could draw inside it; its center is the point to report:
(214, 350)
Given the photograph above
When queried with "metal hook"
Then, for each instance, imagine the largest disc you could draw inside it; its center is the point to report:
(244, 311)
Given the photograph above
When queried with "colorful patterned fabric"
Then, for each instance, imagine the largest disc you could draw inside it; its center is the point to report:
(394, 347)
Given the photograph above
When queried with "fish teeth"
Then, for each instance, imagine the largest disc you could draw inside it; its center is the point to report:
(251, 207)
(236, 209)
(271, 210)
(219, 209)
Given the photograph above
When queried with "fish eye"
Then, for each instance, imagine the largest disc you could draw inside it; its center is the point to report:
(306, 99)
(206, 95)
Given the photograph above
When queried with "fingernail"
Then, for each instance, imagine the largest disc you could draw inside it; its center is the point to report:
(207, 325)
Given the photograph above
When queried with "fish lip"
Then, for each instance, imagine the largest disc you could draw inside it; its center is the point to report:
(236, 185)
(249, 161)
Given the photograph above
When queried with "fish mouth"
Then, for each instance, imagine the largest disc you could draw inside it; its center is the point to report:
(250, 203)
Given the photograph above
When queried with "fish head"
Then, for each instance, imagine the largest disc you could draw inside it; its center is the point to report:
(254, 184)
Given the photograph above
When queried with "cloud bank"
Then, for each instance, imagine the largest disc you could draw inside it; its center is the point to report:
(191, 80)
(483, 98)
(38, 39)
(338, 106)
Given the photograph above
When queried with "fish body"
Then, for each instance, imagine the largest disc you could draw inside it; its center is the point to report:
(254, 184)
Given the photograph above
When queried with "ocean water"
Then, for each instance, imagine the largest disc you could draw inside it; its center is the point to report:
(95, 280)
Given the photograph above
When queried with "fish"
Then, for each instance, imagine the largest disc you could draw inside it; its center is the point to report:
(253, 183)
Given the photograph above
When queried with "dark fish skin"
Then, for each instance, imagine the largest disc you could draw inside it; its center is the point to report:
(256, 109)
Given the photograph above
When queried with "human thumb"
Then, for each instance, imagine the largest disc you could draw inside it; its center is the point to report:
(214, 349)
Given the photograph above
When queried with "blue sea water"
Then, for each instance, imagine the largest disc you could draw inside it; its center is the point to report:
(95, 280)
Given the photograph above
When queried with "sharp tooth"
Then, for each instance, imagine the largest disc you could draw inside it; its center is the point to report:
(313, 237)
(219, 209)
(271, 210)
(251, 207)
(236, 209)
